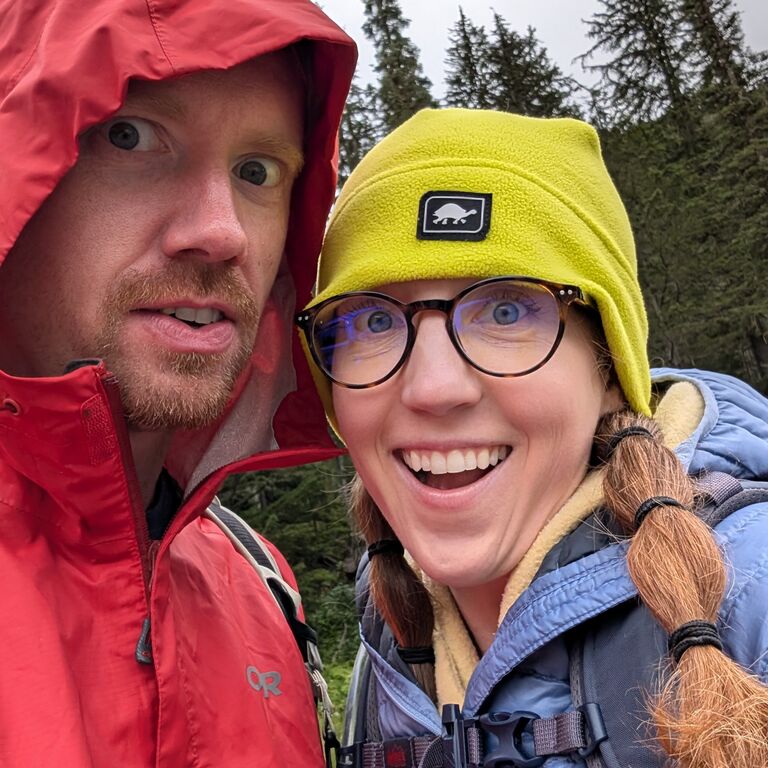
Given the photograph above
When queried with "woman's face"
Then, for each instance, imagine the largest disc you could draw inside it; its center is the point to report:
(472, 527)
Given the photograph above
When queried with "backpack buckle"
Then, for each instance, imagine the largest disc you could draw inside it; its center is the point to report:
(455, 737)
(508, 728)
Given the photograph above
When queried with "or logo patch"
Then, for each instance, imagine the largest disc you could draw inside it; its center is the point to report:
(454, 216)
(265, 682)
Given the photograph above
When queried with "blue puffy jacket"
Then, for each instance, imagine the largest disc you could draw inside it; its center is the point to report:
(527, 667)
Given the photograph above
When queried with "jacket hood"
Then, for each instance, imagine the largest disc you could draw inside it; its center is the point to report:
(65, 66)
(732, 436)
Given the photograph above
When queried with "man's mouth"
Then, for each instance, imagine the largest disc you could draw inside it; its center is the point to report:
(195, 318)
(455, 468)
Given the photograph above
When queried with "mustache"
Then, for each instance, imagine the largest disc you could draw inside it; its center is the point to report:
(192, 281)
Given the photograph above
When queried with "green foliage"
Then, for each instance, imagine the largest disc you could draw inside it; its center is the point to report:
(403, 87)
(467, 76)
(648, 73)
(360, 128)
(504, 70)
(302, 512)
(700, 213)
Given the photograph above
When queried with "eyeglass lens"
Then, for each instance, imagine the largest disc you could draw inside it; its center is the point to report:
(504, 327)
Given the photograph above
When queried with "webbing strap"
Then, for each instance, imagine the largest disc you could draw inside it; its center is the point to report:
(407, 753)
(419, 752)
(718, 486)
(559, 735)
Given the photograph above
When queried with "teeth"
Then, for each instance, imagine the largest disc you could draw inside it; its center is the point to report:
(439, 463)
(192, 315)
(455, 462)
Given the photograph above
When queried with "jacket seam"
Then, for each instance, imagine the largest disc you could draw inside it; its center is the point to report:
(154, 21)
(14, 80)
(192, 722)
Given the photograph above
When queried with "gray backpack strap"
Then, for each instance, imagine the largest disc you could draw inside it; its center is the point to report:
(576, 671)
(288, 600)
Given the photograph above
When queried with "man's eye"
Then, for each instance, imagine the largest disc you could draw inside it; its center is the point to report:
(132, 134)
(260, 171)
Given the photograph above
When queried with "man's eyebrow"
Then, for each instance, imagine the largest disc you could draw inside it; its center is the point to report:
(162, 104)
(285, 151)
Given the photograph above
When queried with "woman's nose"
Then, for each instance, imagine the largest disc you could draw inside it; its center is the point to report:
(205, 224)
(435, 378)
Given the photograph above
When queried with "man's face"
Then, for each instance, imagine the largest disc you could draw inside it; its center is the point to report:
(158, 251)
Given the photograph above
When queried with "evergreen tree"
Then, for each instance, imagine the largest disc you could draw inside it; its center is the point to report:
(648, 73)
(403, 87)
(360, 128)
(468, 76)
(504, 70)
(522, 76)
(717, 42)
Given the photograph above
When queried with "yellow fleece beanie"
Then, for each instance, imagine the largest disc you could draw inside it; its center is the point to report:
(456, 193)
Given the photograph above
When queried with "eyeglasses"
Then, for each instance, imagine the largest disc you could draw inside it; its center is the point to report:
(504, 326)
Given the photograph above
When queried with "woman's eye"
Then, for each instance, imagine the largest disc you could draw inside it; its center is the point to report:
(379, 321)
(507, 312)
(260, 171)
(132, 135)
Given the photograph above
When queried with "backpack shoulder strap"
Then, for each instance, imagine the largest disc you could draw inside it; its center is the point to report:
(288, 600)
(617, 654)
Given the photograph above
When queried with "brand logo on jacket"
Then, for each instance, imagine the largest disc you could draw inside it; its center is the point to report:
(264, 682)
(454, 216)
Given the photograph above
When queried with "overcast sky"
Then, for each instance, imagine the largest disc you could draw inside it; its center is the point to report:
(558, 25)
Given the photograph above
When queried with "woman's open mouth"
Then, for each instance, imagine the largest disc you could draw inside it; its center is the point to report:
(455, 468)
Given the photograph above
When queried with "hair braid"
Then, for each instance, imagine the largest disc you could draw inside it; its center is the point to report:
(710, 713)
(398, 594)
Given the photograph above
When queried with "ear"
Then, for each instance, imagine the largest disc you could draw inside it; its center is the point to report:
(613, 397)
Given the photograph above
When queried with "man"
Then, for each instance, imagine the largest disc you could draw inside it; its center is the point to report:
(167, 169)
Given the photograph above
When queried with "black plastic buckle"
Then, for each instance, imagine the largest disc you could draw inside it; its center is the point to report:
(594, 728)
(508, 728)
(455, 737)
(350, 756)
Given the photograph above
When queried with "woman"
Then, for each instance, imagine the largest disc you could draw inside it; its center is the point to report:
(479, 340)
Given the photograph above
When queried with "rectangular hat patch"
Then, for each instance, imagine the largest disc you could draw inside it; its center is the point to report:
(454, 216)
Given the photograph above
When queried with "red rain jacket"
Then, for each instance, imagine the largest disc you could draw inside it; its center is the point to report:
(79, 573)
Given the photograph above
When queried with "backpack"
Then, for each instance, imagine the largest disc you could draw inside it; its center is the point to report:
(288, 600)
(606, 727)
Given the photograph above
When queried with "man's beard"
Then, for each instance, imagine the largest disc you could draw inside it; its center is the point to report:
(191, 390)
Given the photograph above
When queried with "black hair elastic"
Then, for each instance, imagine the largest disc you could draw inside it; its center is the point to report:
(385, 547)
(652, 503)
(612, 443)
(691, 634)
(418, 655)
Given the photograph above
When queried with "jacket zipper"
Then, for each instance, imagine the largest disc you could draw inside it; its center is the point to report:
(126, 455)
(147, 549)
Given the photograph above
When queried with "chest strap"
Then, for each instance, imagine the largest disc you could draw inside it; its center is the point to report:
(522, 740)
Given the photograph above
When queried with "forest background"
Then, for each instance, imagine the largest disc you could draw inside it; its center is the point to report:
(681, 105)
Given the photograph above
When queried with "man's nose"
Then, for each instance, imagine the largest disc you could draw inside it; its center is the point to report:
(435, 378)
(205, 223)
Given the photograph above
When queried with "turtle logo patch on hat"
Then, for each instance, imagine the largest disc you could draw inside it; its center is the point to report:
(454, 216)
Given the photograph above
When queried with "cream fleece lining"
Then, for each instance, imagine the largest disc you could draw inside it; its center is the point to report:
(679, 413)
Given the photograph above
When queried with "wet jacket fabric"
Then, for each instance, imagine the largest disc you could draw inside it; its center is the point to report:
(225, 684)
(527, 666)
